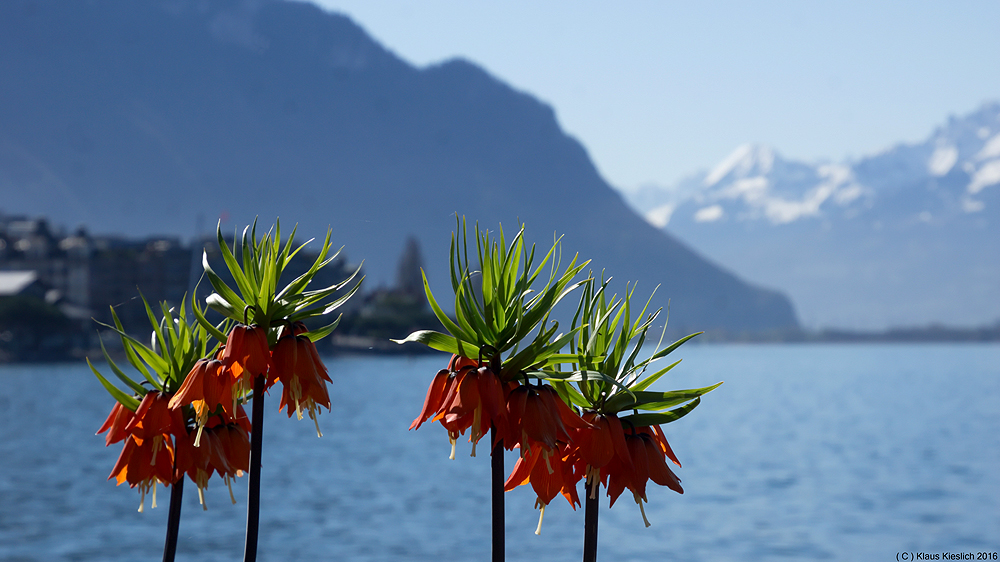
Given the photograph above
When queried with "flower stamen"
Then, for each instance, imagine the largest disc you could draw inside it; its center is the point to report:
(545, 457)
(541, 515)
(477, 417)
(638, 500)
(157, 443)
(311, 404)
(202, 483)
(229, 484)
(296, 388)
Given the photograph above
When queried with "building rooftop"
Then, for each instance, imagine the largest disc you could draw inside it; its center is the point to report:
(14, 282)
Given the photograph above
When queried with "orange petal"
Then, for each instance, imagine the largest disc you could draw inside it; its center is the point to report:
(659, 472)
(661, 439)
(519, 476)
(434, 398)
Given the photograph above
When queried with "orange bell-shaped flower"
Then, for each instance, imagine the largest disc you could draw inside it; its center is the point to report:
(154, 417)
(537, 415)
(435, 398)
(144, 462)
(647, 453)
(118, 419)
(465, 396)
(296, 363)
(549, 474)
(597, 446)
(474, 401)
(206, 387)
(246, 354)
(195, 462)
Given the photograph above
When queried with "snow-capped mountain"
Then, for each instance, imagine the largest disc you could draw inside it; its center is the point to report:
(905, 236)
(145, 118)
(755, 183)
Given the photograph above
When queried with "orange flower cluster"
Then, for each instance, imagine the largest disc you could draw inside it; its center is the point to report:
(161, 447)
(224, 448)
(602, 453)
(221, 381)
(206, 387)
(632, 460)
(558, 446)
(465, 396)
(296, 363)
(148, 454)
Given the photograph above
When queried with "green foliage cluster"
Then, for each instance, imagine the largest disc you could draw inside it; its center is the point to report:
(503, 311)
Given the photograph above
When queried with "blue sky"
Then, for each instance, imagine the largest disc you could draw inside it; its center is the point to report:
(659, 90)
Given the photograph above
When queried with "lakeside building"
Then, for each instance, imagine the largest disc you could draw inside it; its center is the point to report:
(75, 278)
(83, 275)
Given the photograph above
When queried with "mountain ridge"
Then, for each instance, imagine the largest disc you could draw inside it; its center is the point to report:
(904, 236)
(154, 117)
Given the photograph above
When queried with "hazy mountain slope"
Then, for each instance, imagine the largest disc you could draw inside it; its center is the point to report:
(152, 117)
(907, 236)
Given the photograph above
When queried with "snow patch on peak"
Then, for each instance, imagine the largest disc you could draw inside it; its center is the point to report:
(783, 211)
(987, 175)
(755, 184)
(660, 216)
(839, 180)
(848, 194)
(763, 195)
(942, 160)
(709, 214)
(991, 149)
(748, 189)
(745, 160)
(835, 173)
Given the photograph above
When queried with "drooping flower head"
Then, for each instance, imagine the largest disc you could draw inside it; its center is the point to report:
(465, 396)
(502, 317)
(538, 416)
(296, 363)
(148, 454)
(596, 446)
(647, 454)
(549, 473)
(154, 416)
(206, 387)
(119, 417)
(143, 463)
(543, 426)
(247, 355)
(502, 309)
(623, 447)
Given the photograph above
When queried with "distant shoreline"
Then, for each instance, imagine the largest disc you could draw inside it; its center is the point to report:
(929, 334)
(934, 333)
(366, 345)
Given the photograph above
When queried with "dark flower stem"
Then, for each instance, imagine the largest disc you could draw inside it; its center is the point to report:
(590, 526)
(253, 491)
(173, 519)
(496, 461)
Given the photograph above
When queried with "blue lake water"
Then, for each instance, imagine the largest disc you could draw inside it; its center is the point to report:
(808, 452)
